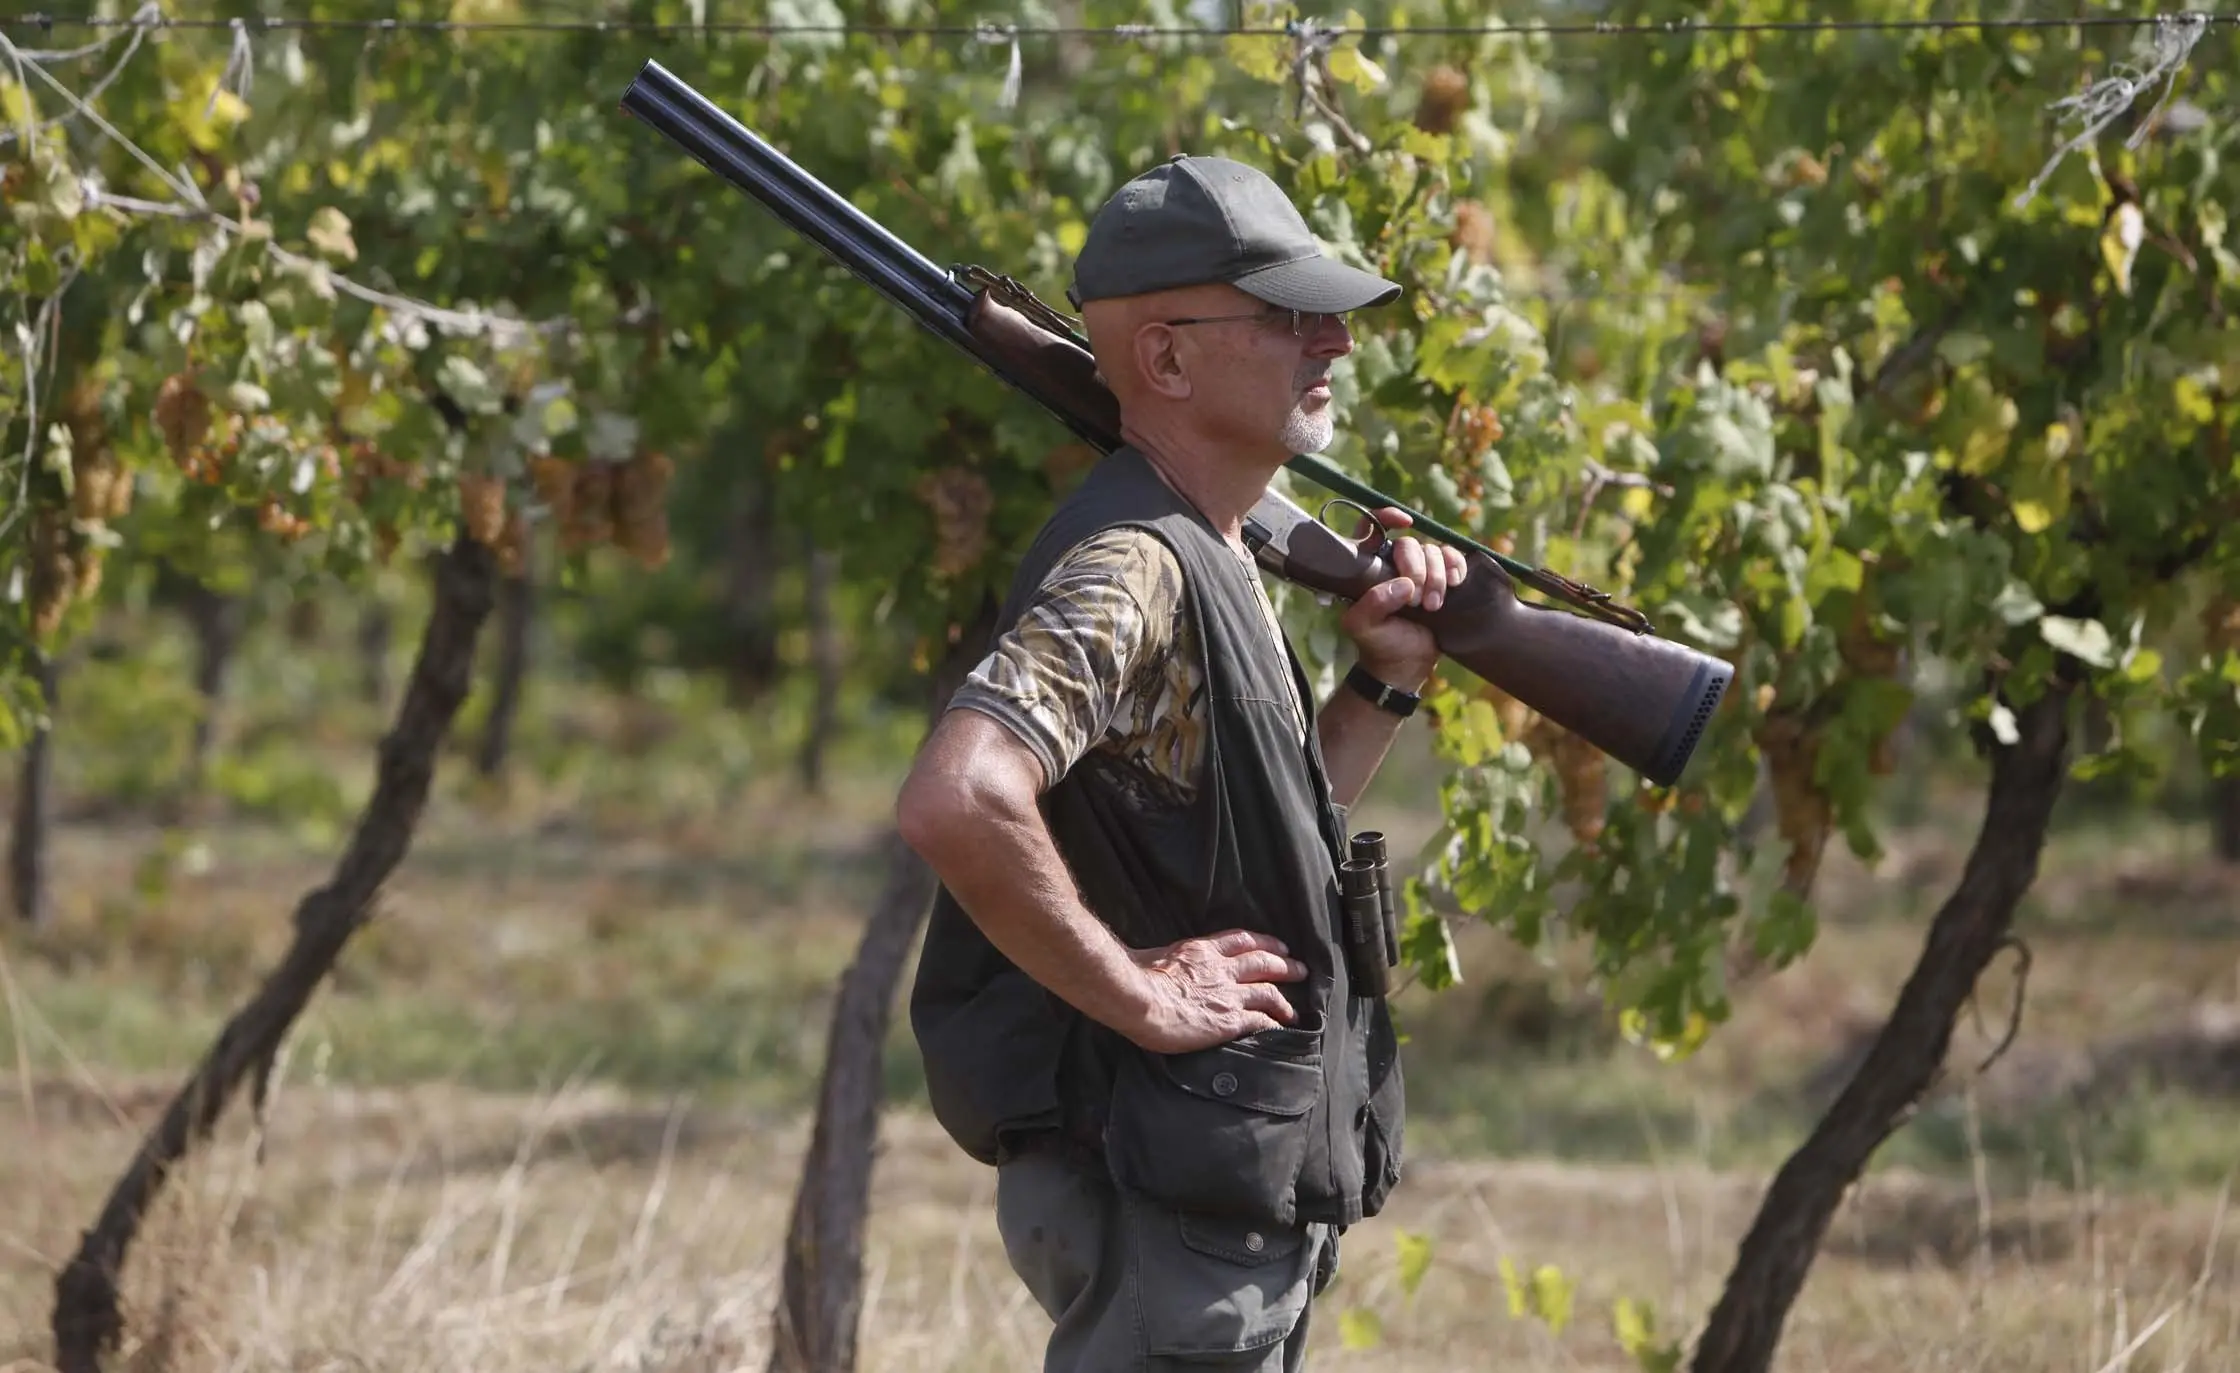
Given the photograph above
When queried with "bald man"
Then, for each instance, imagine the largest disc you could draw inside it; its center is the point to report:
(1133, 999)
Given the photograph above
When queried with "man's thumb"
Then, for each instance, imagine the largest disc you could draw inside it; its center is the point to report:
(1400, 591)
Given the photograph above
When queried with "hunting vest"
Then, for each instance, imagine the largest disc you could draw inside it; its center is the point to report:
(1295, 1124)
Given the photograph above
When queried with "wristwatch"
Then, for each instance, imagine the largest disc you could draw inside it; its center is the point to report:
(1383, 696)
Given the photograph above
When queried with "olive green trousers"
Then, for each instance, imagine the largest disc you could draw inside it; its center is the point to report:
(1134, 1287)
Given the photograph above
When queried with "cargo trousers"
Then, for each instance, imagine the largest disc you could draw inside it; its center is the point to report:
(1134, 1287)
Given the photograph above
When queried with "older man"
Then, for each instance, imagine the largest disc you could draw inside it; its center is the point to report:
(1133, 998)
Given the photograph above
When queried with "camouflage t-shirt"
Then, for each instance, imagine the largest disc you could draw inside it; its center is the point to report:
(1104, 659)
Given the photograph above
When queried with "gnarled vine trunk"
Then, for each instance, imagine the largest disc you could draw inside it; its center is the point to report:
(2224, 818)
(218, 621)
(814, 1328)
(29, 829)
(825, 663)
(516, 614)
(86, 1319)
(1968, 932)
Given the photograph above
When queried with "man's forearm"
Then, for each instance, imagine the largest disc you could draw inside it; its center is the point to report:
(1011, 880)
(988, 845)
(1355, 737)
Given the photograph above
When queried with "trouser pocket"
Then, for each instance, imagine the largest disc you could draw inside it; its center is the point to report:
(1213, 1287)
(1221, 1131)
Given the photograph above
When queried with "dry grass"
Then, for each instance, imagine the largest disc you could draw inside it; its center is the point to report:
(666, 946)
(436, 1229)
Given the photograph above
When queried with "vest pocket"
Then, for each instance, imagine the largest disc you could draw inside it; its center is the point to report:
(1223, 1131)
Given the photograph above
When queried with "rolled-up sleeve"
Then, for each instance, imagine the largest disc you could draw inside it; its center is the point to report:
(1056, 678)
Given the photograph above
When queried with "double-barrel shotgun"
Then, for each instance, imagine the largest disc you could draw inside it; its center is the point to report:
(1594, 667)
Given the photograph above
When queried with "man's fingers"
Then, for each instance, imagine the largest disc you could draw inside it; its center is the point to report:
(1261, 966)
(1235, 942)
(1435, 574)
(1264, 998)
(1377, 604)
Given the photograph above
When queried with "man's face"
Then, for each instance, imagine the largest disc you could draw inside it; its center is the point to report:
(1259, 374)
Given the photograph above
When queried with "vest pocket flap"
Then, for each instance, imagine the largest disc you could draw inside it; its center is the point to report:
(1249, 1078)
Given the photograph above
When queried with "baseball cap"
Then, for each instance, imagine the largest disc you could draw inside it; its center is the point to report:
(1192, 220)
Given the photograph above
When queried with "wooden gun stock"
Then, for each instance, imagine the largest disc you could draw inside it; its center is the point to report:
(1643, 700)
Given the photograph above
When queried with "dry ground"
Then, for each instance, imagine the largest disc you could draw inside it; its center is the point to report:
(433, 1229)
(548, 1114)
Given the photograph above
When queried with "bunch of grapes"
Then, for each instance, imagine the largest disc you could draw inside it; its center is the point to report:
(1802, 811)
(1473, 234)
(961, 502)
(1478, 427)
(597, 503)
(1582, 770)
(65, 567)
(1446, 94)
(100, 487)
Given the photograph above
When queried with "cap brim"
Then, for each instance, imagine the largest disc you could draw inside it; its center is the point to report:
(1321, 284)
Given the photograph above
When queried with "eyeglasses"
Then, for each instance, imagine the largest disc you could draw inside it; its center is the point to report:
(1302, 322)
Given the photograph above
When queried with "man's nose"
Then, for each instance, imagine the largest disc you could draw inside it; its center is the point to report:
(1330, 337)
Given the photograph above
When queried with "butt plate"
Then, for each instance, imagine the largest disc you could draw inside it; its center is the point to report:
(1690, 717)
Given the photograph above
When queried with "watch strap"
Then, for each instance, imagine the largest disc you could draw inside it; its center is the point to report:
(1384, 696)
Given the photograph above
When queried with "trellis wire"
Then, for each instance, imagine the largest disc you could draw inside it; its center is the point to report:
(1578, 28)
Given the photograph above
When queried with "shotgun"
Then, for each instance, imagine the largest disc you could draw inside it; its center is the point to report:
(1601, 672)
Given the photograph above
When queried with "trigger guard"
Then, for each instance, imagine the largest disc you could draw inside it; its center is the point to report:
(1376, 541)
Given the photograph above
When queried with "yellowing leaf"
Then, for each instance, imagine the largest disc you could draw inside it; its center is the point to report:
(1520, 1301)
(1551, 1296)
(227, 110)
(1359, 1328)
(2032, 517)
(1634, 1026)
(1635, 1325)
(2193, 400)
(329, 232)
(1260, 58)
(1415, 1259)
(1431, 147)
(1348, 65)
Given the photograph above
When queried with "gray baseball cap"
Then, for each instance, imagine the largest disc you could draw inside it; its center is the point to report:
(1191, 221)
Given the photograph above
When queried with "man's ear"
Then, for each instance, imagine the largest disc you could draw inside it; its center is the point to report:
(1159, 359)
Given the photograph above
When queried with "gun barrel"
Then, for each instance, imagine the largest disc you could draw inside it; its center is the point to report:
(667, 104)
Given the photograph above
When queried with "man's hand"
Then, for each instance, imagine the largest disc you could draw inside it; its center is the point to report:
(1208, 991)
(1396, 651)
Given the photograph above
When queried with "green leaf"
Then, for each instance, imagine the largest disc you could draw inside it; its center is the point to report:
(2085, 639)
(2015, 605)
(1963, 346)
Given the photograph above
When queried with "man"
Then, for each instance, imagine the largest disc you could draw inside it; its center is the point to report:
(1133, 997)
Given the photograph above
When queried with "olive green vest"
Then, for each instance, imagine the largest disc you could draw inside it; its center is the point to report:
(1296, 1124)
